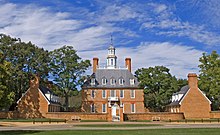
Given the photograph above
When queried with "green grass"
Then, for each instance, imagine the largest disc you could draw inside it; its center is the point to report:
(213, 131)
(31, 120)
(118, 125)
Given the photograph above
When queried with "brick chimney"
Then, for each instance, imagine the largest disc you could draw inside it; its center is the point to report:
(192, 80)
(34, 83)
(128, 63)
(95, 64)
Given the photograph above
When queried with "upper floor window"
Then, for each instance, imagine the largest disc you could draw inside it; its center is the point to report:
(121, 93)
(132, 93)
(113, 93)
(112, 81)
(131, 81)
(103, 94)
(93, 108)
(93, 93)
(93, 81)
(121, 81)
(104, 81)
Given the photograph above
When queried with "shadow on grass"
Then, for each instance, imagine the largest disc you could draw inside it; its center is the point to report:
(19, 132)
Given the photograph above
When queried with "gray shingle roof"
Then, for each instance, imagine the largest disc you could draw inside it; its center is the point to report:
(183, 91)
(45, 90)
(111, 74)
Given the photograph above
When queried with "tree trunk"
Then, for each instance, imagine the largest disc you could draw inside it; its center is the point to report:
(66, 102)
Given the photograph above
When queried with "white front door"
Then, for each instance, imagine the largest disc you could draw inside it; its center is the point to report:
(114, 108)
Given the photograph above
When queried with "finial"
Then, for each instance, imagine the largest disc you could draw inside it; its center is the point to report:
(111, 40)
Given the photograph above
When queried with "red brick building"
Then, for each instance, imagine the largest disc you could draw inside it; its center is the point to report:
(112, 90)
(37, 101)
(191, 101)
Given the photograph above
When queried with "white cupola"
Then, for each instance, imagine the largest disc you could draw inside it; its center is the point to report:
(111, 58)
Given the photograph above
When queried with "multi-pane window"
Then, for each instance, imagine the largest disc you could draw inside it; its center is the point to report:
(131, 81)
(93, 93)
(121, 81)
(113, 93)
(103, 94)
(132, 93)
(112, 81)
(132, 108)
(93, 108)
(93, 81)
(104, 81)
(104, 108)
(121, 93)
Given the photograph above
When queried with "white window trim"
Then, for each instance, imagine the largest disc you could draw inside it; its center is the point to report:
(112, 81)
(134, 108)
(102, 93)
(120, 94)
(114, 93)
(91, 108)
(104, 81)
(131, 81)
(121, 81)
(131, 94)
(105, 108)
(92, 81)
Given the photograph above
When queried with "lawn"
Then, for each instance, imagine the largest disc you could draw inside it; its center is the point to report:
(213, 131)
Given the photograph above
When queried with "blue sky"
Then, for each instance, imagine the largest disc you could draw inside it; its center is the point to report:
(172, 33)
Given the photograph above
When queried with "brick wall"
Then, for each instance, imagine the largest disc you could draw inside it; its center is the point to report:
(215, 114)
(98, 100)
(154, 116)
(32, 104)
(9, 115)
(73, 115)
(195, 105)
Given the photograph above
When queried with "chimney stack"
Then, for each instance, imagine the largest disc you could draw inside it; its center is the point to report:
(128, 63)
(95, 64)
(192, 80)
(34, 83)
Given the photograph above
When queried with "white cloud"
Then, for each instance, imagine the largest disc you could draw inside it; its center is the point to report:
(180, 59)
(164, 22)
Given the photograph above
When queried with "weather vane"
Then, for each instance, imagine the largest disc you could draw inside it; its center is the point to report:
(111, 40)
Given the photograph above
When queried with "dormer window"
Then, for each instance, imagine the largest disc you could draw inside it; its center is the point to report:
(112, 81)
(104, 81)
(121, 81)
(131, 81)
(93, 81)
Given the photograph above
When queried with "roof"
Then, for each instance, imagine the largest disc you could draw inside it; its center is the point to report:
(45, 90)
(111, 74)
(183, 91)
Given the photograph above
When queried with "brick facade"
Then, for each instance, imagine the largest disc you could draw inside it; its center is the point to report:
(34, 103)
(124, 102)
(193, 103)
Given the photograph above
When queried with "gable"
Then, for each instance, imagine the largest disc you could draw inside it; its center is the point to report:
(28, 91)
(201, 93)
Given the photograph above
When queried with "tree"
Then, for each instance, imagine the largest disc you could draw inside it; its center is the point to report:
(210, 77)
(6, 95)
(26, 59)
(159, 85)
(67, 70)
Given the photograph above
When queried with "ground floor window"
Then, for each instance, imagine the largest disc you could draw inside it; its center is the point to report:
(92, 108)
(132, 108)
(104, 108)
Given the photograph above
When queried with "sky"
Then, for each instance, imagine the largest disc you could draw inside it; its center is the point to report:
(171, 33)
